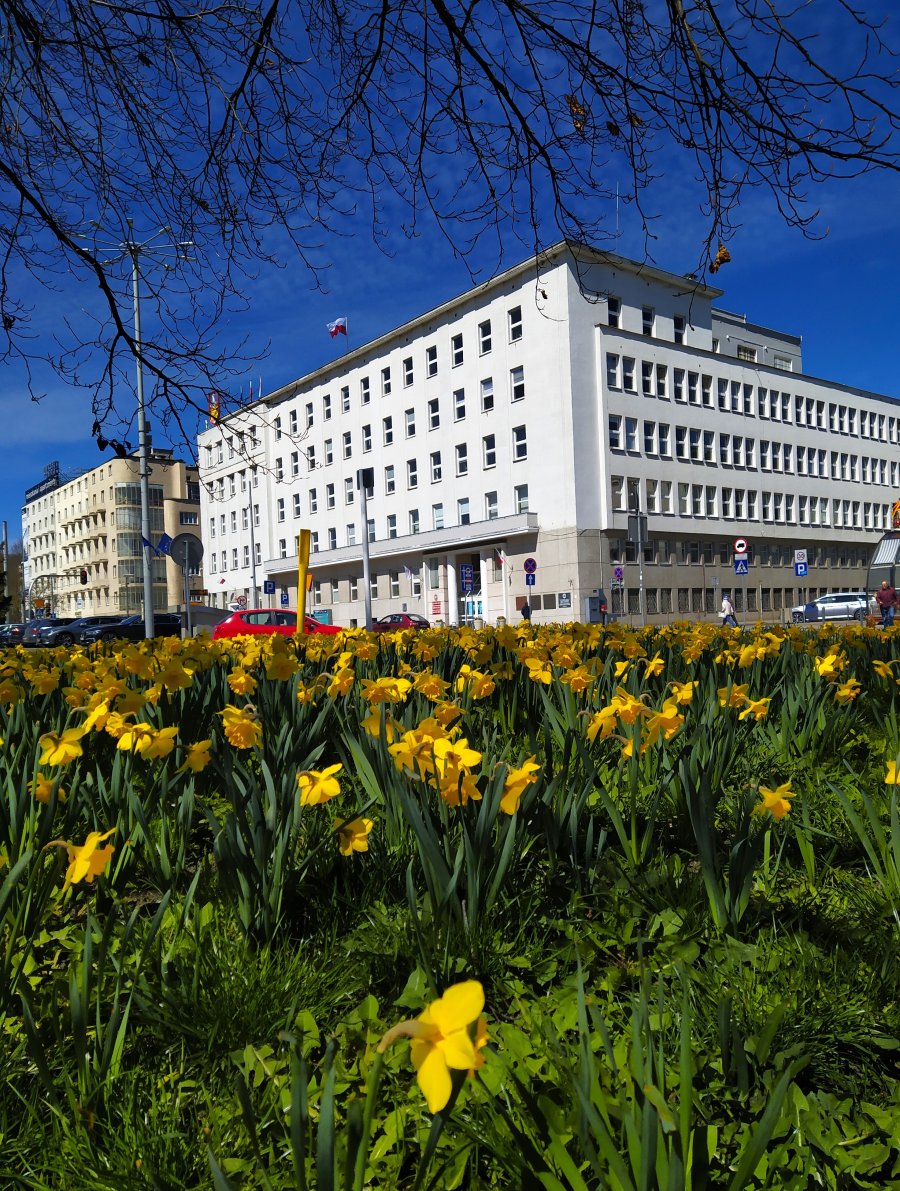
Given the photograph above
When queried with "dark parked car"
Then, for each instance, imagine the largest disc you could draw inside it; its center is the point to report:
(31, 634)
(10, 634)
(399, 620)
(68, 634)
(132, 628)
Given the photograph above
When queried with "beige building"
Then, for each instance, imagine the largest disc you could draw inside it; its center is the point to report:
(81, 537)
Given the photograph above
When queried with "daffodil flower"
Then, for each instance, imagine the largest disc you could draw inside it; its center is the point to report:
(777, 802)
(197, 756)
(354, 835)
(892, 777)
(87, 860)
(62, 748)
(242, 729)
(442, 1040)
(319, 785)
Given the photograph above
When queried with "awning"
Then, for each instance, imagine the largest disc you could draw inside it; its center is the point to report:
(887, 553)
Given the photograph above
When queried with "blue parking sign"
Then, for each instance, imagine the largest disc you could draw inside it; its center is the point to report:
(268, 586)
(284, 596)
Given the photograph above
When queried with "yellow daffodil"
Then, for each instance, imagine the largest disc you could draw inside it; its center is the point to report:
(517, 782)
(341, 682)
(354, 835)
(883, 669)
(602, 723)
(87, 860)
(654, 666)
(174, 676)
(442, 1040)
(734, 696)
(683, 692)
(241, 682)
(666, 723)
(446, 713)
(758, 708)
(42, 788)
(431, 685)
(281, 667)
(830, 665)
(242, 729)
(136, 738)
(197, 756)
(319, 785)
(62, 748)
(892, 777)
(539, 670)
(161, 743)
(375, 727)
(44, 681)
(385, 690)
(777, 802)
(847, 691)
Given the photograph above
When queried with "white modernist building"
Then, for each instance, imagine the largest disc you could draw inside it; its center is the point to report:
(526, 419)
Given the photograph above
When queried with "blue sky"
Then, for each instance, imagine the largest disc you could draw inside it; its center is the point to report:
(838, 292)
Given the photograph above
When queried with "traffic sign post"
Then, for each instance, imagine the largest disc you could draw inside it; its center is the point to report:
(742, 566)
(268, 586)
(467, 578)
(529, 566)
(529, 580)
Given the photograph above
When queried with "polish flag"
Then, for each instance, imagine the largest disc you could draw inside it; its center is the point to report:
(338, 327)
(500, 557)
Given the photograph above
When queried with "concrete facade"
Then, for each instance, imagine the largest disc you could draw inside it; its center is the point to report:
(526, 419)
(90, 524)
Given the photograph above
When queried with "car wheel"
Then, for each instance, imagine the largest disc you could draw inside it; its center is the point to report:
(107, 636)
(861, 616)
(797, 617)
(65, 639)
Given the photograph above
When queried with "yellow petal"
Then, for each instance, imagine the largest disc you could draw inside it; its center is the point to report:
(458, 1050)
(434, 1079)
(458, 1007)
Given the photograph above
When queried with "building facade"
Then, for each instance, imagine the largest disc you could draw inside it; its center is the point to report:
(81, 537)
(526, 419)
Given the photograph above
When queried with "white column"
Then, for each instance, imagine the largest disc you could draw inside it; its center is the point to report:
(483, 568)
(452, 592)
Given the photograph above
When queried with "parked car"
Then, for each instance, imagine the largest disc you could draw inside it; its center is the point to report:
(250, 621)
(10, 634)
(68, 634)
(31, 634)
(841, 605)
(400, 620)
(132, 628)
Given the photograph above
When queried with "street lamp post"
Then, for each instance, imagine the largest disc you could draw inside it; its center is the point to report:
(133, 250)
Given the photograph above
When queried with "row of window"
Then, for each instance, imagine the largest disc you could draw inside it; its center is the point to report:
(732, 396)
(693, 445)
(240, 557)
(674, 551)
(699, 600)
(668, 497)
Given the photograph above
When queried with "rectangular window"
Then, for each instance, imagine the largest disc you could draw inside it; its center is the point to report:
(520, 444)
(746, 352)
(431, 361)
(279, 469)
(347, 441)
(295, 465)
(520, 494)
(328, 451)
(348, 491)
(665, 440)
(365, 392)
(515, 324)
(615, 432)
(647, 378)
(370, 529)
(489, 449)
(277, 425)
(647, 320)
(390, 482)
(435, 467)
(326, 407)
(309, 414)
(456, 350)
(332, 540)
(459, 404)
(484, 337)
(462, 459)
(407, 372)
(462, 511)
(434, 414)
(487, 395)
(679, 325)
(410, 417)
(678, 384)
(313, 501)
(345, 399)
(662, 381)
(412, 474)
(366, 440)
(631, 429)
(612, 371)
(385, 382)
(628, 383)
(517, 383)
(354, 588)
(491, 508)
(279, 511)
(613, 311)
(437, 516)
(414, 521)
(392, 525)
(387, 427)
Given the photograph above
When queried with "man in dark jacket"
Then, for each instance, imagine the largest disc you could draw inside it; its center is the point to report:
(886, 599)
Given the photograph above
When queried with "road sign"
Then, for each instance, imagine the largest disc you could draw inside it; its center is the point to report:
(529, 580)
(186, 550)
(800, 556)
(618, 573)
(529, 566)
(715, 580)
(284, 597)
(741, 566)
(617, 585)
(801, 570)
(467, 577)
(268, 586)
(740, 546)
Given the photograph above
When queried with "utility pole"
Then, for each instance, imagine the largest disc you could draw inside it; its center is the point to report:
(254, 602)
(133, 251)
(637, 533)
(365, 478)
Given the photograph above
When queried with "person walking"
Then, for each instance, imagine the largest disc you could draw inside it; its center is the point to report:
(526, 611)
(886, 599)
(727, 613)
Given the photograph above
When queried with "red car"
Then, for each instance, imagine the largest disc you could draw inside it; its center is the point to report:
(251, 621)
(399, 620)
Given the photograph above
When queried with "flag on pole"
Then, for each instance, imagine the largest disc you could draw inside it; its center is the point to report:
(500, 557)
(214, 405)
(164, 545)
(148, 545)
(338, 327)
(408, 571)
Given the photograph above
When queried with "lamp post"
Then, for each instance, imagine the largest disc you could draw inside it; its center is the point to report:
(133, 249)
